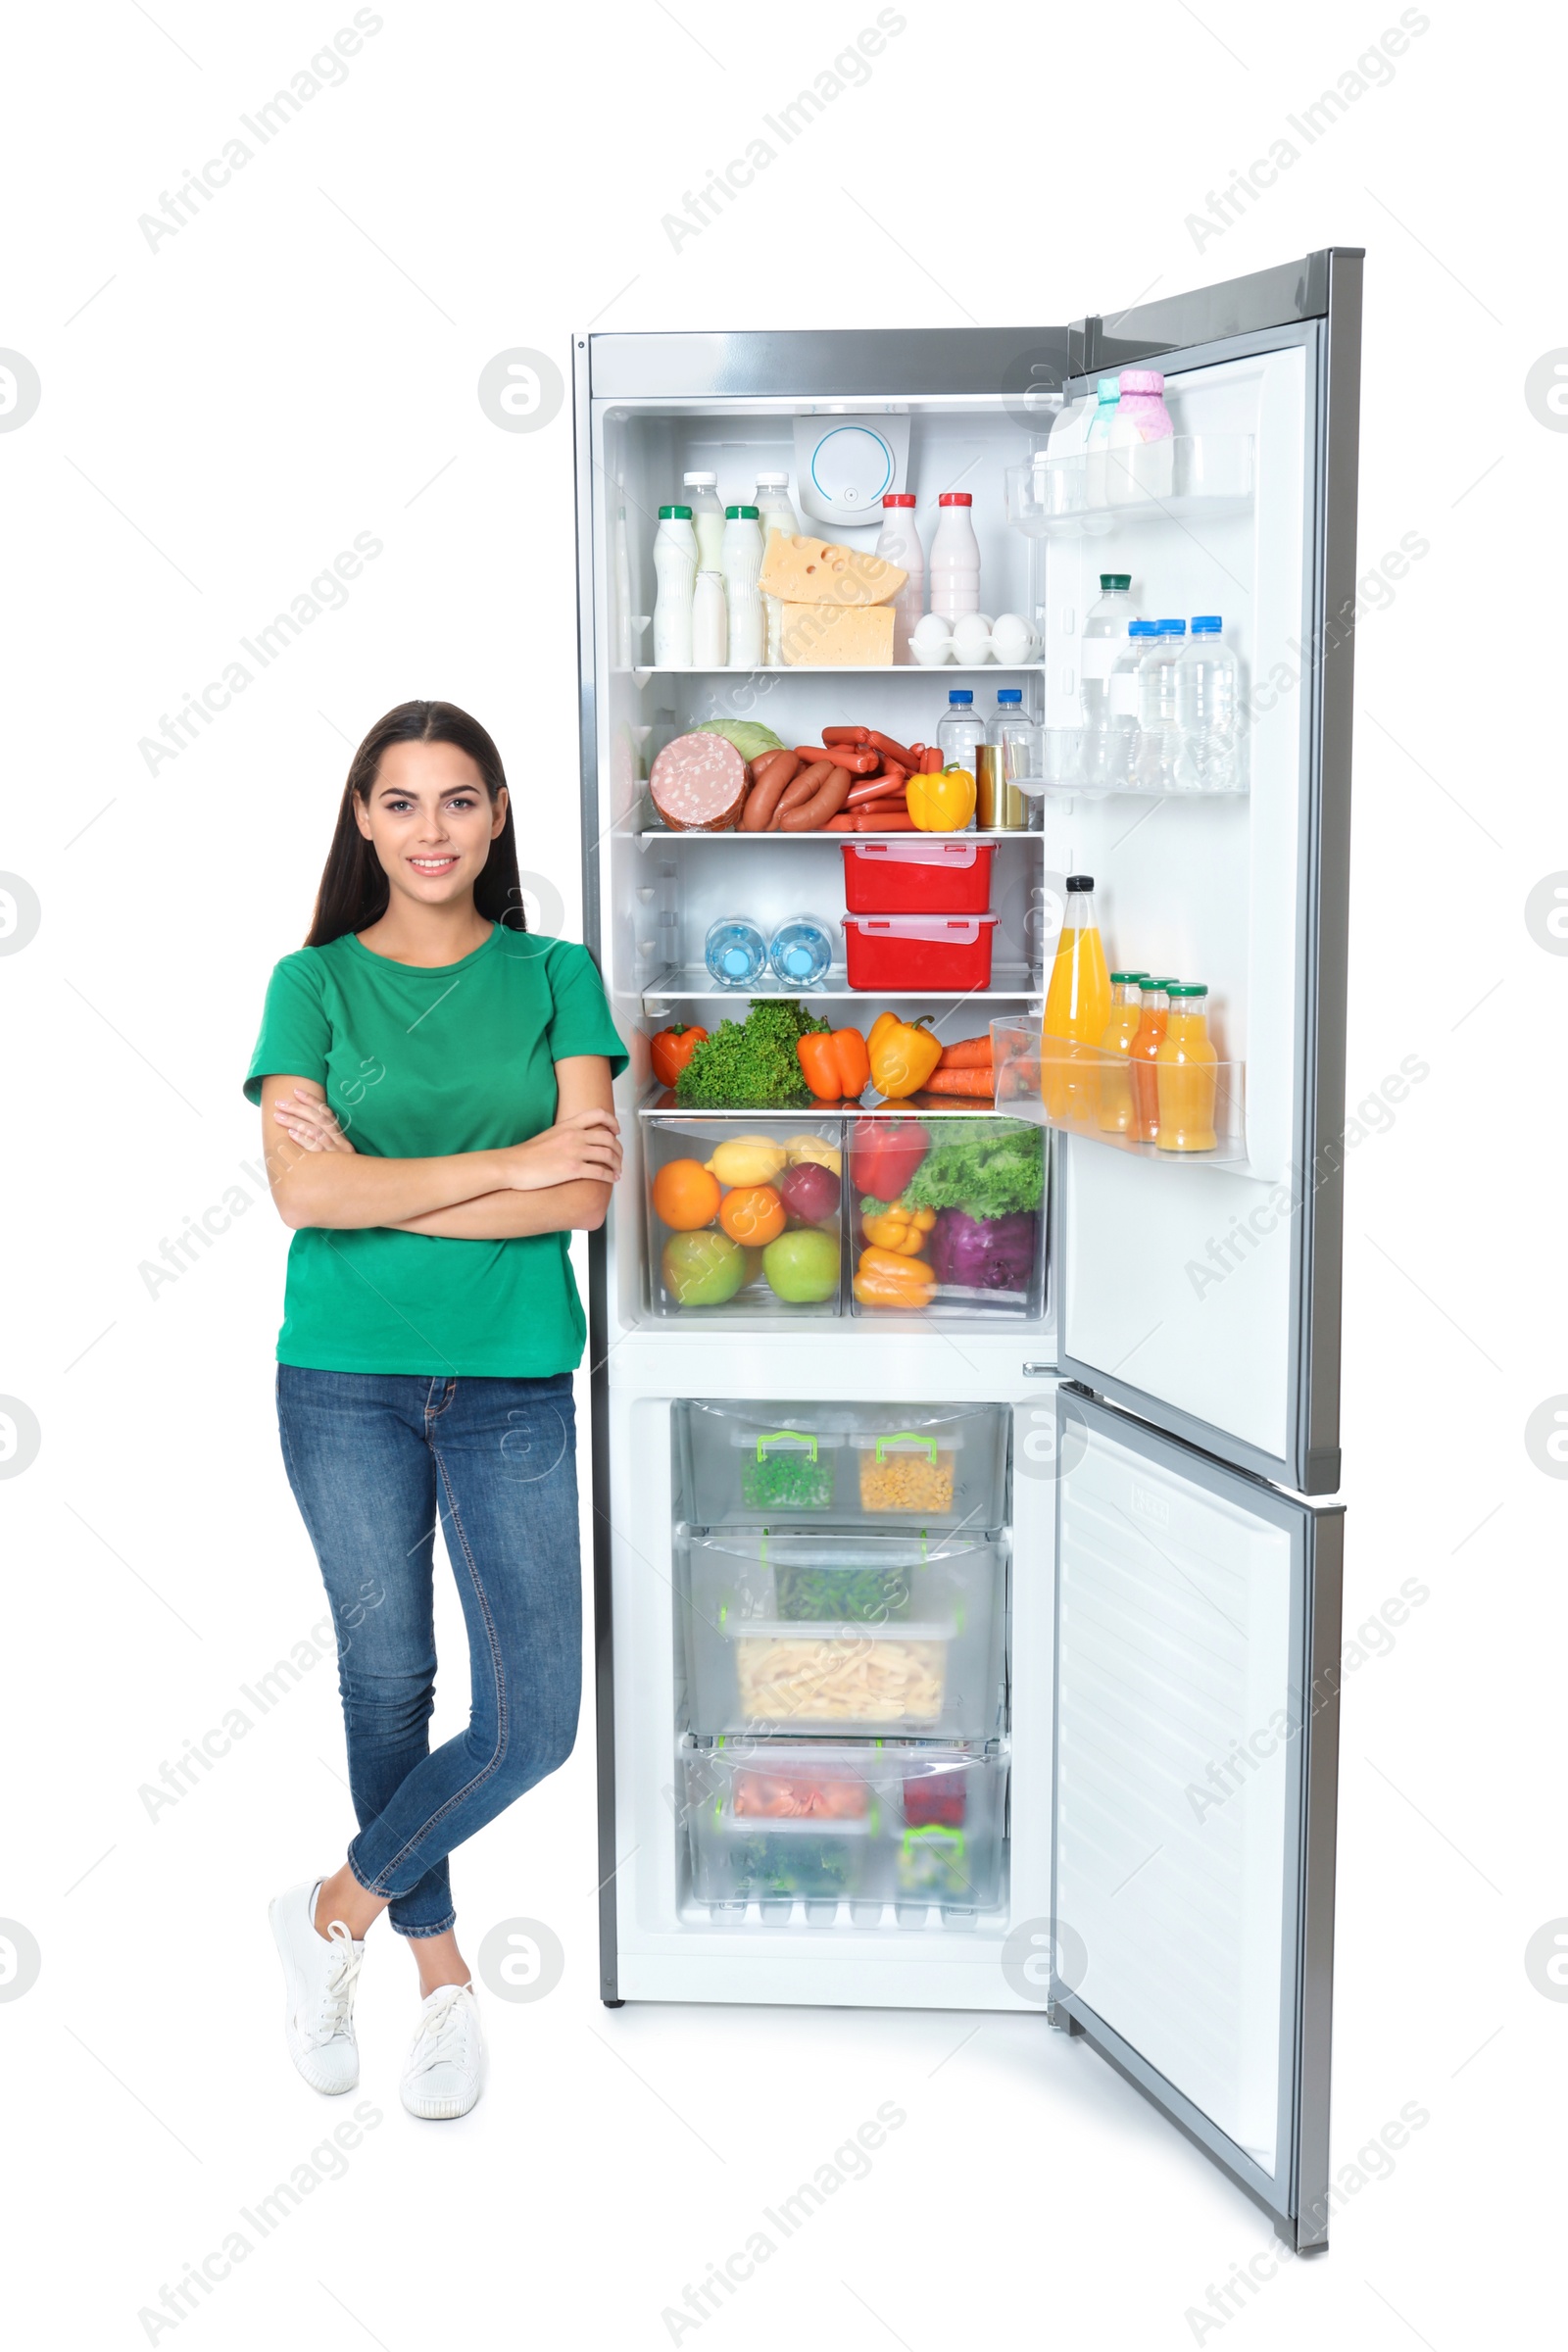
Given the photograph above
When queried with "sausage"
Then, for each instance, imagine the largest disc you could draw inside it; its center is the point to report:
(890, 820)
(765, 762)
(858, 763)
(762, 802)
(843, 823)
(814, 814)
(698, 784)
(856, 737)
(932, 763)
(877, 788)
(802, 788)
(890, 750)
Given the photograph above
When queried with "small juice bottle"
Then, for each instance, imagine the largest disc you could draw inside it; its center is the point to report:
(1118, 1116)
(1145, 1045)
(1186, 1071)
(1077, 1007)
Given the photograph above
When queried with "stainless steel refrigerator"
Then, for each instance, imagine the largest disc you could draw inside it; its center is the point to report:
(1118, 1809)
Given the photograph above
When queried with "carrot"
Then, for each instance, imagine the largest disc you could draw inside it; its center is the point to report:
(968, 1053)
(979, 1083)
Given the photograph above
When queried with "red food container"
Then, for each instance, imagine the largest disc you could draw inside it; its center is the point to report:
(933, 876)
(890, 951)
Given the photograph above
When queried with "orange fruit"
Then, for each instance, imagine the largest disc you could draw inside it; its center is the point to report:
(685, 1194)
(753, 1213)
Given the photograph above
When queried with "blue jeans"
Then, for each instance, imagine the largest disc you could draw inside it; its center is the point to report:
(373, 1460)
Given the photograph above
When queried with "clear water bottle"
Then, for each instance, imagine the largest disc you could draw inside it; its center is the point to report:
(1157, 709)
(800, 952)
(1106, 627)
(735, 952)
(1208, 757)
(1112, 753)
(1012, 749)
(962, 732)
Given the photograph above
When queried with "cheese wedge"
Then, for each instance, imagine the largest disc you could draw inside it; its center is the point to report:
(836, 636)
(816, 571)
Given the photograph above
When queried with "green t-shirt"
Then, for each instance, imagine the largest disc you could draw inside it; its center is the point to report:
(418, 1063)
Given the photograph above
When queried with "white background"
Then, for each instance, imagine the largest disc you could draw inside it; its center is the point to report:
(219, 417)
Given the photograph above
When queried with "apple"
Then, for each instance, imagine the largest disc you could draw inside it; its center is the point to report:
(809, 1193)
(802, 1267)
(702, 1269)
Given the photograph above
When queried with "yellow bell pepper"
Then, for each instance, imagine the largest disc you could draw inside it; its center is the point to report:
(902, 1056)
(885, 1278)
(943, 803)
(900, 1230)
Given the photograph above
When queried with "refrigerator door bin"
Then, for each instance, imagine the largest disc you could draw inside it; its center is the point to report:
(1187, 477)
(938, 875)
(861, 1633)
(948, 1467)
(724, 1240)
(1194, 1116)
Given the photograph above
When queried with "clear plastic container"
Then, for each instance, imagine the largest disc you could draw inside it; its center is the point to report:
(854, 1633)
(800, 952)
(1104, 637)
(1159, 730)
(796, 1827)
(1207, 716)
(713, 1255)
(735, 952)
(979, 1261)
(716, 1452)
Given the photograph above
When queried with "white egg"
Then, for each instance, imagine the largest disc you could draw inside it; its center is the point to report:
(1011, 640)
(971, 639)
(930, 629)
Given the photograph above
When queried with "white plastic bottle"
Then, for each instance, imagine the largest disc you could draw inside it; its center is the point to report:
(954, 559)
(1104, 637)
(742, 598)
(1157, 708)
(1065, 489)
(774, 513)
(899, 543)
(710, 627)
(1097, 440)
(1140, 449)
(1208, 753)
(675, 569)
(708, 520)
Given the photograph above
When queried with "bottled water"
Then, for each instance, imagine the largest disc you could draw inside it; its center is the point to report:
(1104, 636)
(1113, 752)
(1011, 750)
(800, 952)
(1157, 709)
(961, 733)
(735, 952)
(1208, 755)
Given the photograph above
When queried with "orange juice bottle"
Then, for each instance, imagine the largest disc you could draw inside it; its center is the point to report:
(1118, 1116)
(1186, 1070)
(1077, 1007)
(1145, 1044)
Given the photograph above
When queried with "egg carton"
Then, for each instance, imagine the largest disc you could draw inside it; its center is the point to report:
(974, 639)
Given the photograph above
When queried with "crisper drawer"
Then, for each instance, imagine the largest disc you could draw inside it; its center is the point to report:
(744, 1223)
(747, 1464)
(776, 1823)
(859, 1634)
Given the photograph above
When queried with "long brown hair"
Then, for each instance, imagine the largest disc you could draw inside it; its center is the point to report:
(354, 890)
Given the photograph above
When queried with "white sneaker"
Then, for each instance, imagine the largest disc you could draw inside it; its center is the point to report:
(444, 2069)
(320, 1973)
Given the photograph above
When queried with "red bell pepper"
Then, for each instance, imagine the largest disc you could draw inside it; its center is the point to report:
(672, 1049)
(884, 1154)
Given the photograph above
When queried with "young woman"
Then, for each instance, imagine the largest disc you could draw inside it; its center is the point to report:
(435, 1092)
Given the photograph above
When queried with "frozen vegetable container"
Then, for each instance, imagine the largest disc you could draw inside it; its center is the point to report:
(946, 1814)
(856, 1634)
(775, 1825)
(748, 1462)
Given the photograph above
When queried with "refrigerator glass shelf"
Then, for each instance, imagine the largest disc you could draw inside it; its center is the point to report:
(663, 833)
(1010, 982)
(1094, 493)
(846, 669)
(662, 1104)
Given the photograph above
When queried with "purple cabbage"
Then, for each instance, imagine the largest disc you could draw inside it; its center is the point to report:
(985, 1253)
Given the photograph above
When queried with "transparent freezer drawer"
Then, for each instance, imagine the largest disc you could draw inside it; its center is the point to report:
(770, 1821)
(863, 1634)
(748, 1223)
(748, 1463)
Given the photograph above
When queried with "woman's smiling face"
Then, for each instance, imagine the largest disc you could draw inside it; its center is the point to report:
(430, 821)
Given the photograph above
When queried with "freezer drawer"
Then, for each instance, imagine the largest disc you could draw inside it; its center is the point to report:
(777, 1824)
(754, 1463)
(860, 1634)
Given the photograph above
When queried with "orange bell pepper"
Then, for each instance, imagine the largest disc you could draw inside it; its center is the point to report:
(903, 1054)
(834, 1063)
(942, 803)
(885, 1278)
(900, 1230)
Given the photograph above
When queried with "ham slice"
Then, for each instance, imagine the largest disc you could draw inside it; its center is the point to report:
(698, 784)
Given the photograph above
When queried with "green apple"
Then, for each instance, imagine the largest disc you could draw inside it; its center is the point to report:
(803, 1267)
(702, 1269)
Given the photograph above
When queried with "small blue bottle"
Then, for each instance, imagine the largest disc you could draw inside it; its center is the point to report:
(735, 952)
(800, 952)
